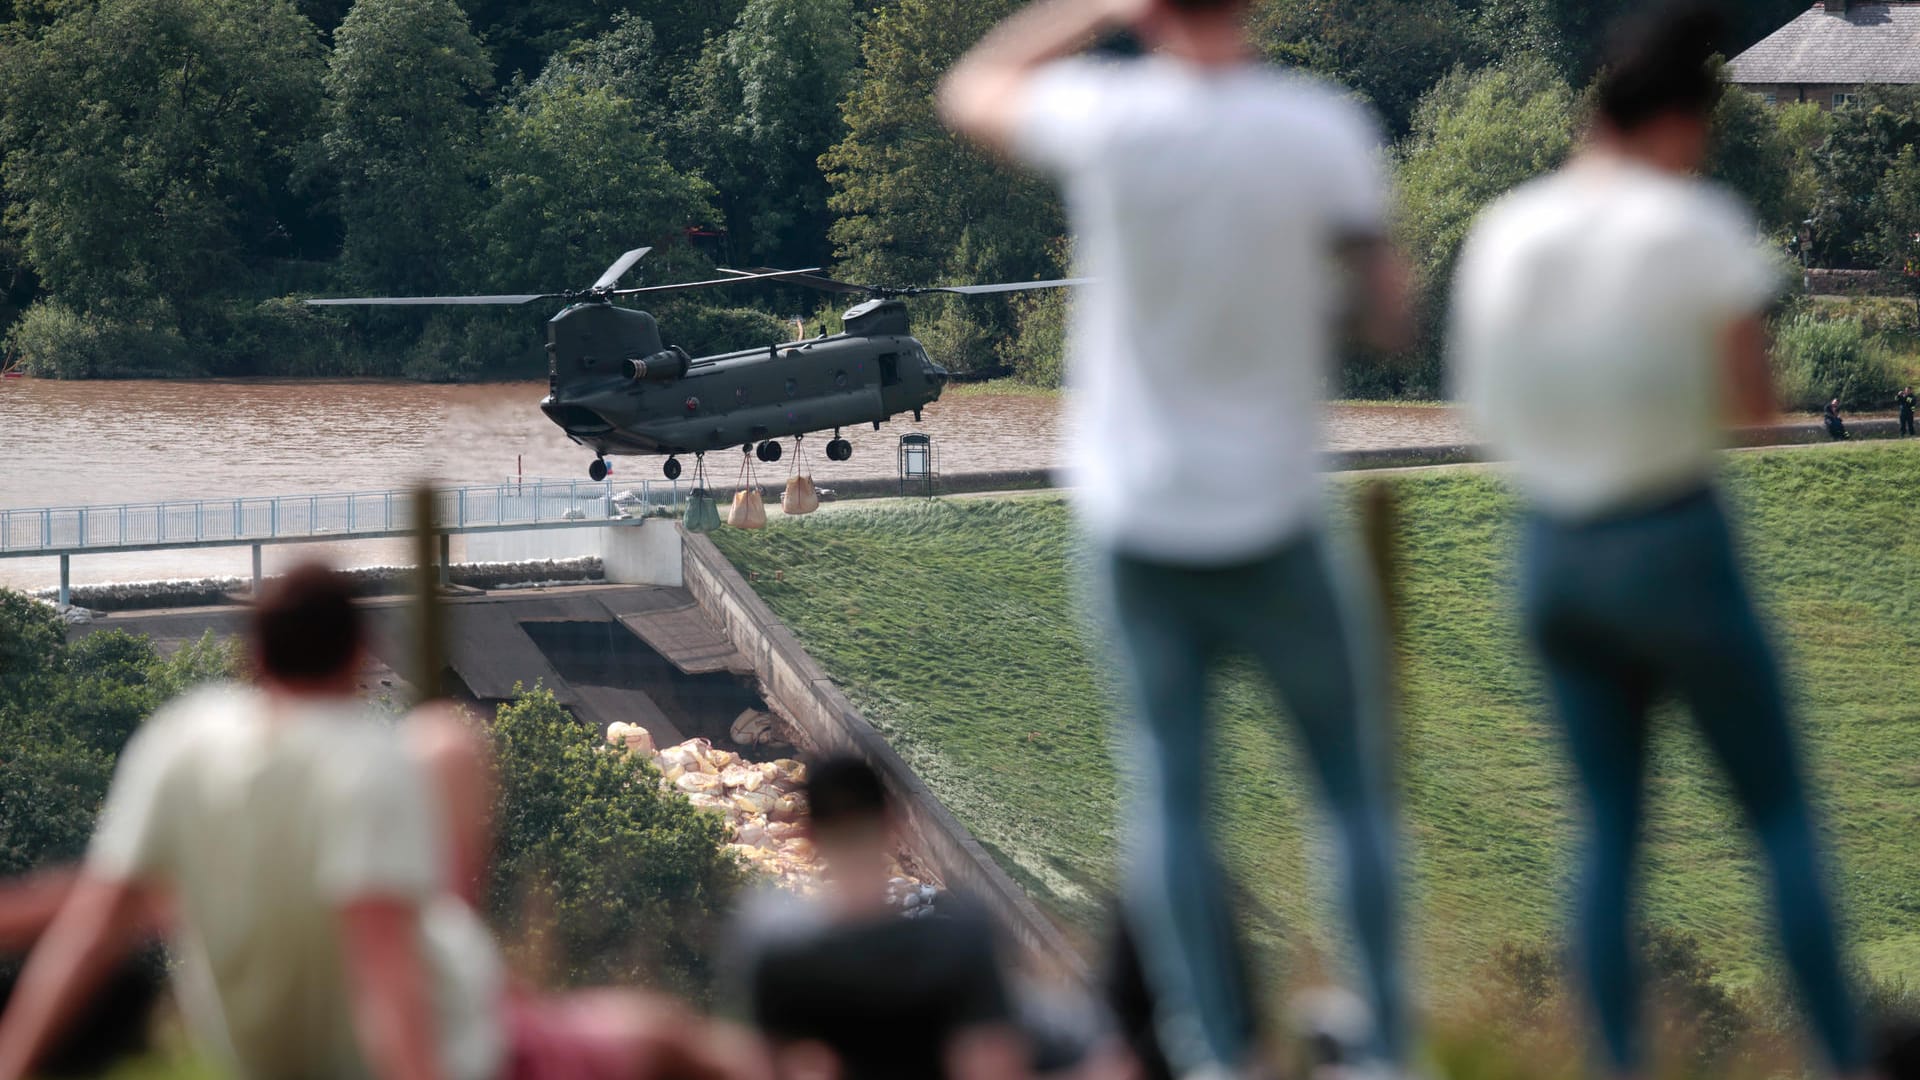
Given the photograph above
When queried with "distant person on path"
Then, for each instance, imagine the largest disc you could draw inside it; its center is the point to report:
(1608, 320)
(320, 864)
(1232, 217)
(846, 987)
(1836, 427)
(1905, 401)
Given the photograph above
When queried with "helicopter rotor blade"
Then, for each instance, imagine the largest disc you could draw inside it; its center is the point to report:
(807, 279)
(1004, 287)
(620, 267)
(417, 301)
(734, 280)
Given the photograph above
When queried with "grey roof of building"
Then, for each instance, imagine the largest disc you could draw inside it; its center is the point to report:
(1870, 43)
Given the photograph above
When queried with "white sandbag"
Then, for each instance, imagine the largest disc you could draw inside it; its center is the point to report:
(749, 510)
(801, 498)
(722, 760)
(692, 782)
(742, 776)
(754, 802)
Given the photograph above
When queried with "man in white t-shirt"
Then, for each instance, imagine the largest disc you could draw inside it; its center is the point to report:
(1608, 321)
(1231, 218)
(318, 864)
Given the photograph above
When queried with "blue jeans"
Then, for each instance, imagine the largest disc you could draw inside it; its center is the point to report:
(1171, 625)
(1621, 611)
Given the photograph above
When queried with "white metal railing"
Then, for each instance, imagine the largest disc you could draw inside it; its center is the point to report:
(530, 502)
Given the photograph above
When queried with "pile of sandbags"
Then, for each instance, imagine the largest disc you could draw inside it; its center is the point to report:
(762, 802)
(764, 805)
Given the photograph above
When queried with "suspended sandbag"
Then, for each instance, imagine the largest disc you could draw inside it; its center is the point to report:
(801, 497)
(749, 510)
(703, 513)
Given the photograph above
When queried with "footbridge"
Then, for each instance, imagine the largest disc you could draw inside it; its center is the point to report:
(514, 506)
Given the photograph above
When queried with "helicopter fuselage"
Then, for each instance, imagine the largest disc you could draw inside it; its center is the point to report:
(616, 389)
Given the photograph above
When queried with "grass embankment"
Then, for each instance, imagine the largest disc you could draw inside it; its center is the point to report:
(954, 626)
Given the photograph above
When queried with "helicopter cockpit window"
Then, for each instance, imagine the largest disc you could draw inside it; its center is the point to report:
(889, 369)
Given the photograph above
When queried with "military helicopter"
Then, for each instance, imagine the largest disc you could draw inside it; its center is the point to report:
(616, 388)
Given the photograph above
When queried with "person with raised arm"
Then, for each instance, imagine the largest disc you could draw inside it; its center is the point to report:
(1232, 218)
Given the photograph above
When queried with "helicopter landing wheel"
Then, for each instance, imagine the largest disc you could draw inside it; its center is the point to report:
(599, 469)
(671, 468)
(768, 451)
(839, 450)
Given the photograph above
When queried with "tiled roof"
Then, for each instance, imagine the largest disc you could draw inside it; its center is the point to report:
(1870, 43)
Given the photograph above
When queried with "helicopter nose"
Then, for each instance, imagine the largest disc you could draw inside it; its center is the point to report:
(937, 375)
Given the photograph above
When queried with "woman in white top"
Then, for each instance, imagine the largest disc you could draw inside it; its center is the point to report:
(1608, 324)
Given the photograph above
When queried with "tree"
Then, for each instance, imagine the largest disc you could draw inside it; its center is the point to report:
(633, 876)
(574, 180)
(623, 61)
(523, 35)
(1390, 51)
(1753, 155)
(65, 712)
(1851, 167)
(1475, 136)
(917, 205)
(758, 111)
(1895, 241)
(147, 146)
(403, 126)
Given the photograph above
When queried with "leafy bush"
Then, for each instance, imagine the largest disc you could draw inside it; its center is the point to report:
(65, 712)
(54, 340)
(704, 331)
(1038, 353)
(1816, 360)
(631, 878)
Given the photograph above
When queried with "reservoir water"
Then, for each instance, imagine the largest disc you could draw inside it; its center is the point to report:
(70, 443)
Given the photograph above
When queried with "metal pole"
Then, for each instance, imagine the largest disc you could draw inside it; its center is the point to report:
(66, 580)
(256, 570)
(446, 559)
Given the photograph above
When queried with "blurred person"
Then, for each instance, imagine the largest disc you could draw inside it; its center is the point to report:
(844, 987)
(319, 863)
(1232, 218)
(1905, 400)
(1608, 321)
(1836, 427)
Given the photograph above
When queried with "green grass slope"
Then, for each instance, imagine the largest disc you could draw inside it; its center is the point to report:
(955, 625)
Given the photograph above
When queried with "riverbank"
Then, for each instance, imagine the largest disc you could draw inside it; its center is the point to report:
(953, 626)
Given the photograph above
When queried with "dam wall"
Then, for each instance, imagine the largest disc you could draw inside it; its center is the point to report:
(795, 686)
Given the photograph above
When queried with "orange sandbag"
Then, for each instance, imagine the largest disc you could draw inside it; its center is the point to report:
(801, 497)
(749, 511)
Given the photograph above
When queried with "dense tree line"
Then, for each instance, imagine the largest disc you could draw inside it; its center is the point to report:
(176, 174)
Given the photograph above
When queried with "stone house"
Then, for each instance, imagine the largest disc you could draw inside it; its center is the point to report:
(1832, 50)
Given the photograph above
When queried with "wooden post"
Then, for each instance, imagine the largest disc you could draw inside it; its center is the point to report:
(1380, 532)
(430, 650)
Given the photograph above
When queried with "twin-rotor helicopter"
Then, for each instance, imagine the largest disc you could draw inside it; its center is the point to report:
(617, 389)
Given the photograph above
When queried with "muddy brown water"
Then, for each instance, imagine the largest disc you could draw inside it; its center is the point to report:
(72, 443)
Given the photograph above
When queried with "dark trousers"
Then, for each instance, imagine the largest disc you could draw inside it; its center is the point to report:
(1906, 421)
(1171, 626)
(1622, 611)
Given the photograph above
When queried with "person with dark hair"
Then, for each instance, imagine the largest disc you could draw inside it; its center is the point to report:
(320, 864)
(1836, 427)
(846, 987)
(1231, 218)
(1608, 319)
(1905, 399)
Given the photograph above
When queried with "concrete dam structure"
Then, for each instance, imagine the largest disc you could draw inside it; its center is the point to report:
(676, 642)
